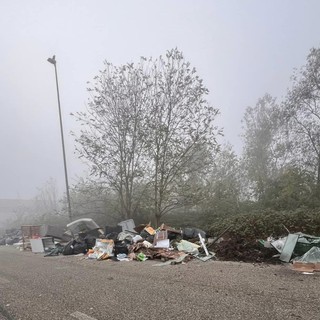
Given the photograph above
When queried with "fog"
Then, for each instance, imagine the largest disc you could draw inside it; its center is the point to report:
(241, 49)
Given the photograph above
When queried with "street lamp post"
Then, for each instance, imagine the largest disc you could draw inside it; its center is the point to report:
(54, 62)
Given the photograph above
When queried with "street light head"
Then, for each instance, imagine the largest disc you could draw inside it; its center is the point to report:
(52, 60)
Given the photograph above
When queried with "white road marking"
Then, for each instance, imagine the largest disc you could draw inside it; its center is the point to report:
(81, 316)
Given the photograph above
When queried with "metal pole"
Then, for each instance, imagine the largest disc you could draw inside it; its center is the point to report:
(54, 62)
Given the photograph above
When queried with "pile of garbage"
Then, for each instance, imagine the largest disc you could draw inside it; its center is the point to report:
(301, 249)
(296, 248)
(27, 235)
(10, 237)
(127, 242)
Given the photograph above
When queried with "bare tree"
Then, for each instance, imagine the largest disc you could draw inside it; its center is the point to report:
(112, 139)
(181, 123)
(145, 124)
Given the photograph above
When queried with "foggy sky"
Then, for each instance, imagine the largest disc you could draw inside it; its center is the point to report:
(241, 49)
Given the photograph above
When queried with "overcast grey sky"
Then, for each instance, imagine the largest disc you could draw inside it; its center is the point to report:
(242, 49)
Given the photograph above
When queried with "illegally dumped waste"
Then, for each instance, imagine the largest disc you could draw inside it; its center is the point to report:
(84, 227)
(10, 237)
(55, 251)
(37, 238)
(102, 250)
(192, 233)
(123, 242)
(309, 262)
(127, 242)
(181, 259)
(141, 257)
(313, 255)
(188, 247)
(293, 245)
(127, 225)
(303, 250)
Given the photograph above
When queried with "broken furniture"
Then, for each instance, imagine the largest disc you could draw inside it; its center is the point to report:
(85, 226)
(42, 245)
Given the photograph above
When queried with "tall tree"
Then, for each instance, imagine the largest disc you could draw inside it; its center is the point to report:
(302, 110)
(293, 188)
(263, 152)
(181, 126)
(112, 138)
(224, 185)
(145, 124)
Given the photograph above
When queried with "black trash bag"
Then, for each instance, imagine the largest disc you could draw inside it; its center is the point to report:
(111, 229)
(174, 235)
(68, 248)
(191, 233)
(80, 247)
(150, 238)
(112, 235)
(90, 241)
(120, 247)
(144, 234)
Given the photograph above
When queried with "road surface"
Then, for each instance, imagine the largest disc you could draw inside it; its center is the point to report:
(71, 287)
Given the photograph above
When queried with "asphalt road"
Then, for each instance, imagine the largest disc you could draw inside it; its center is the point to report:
(70, 287)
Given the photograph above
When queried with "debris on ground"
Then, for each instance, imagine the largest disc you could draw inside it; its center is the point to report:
(293, 245)
(127, 242)
(84, 227)
(10, 237)
(308, 262)
(234, 246)
(123, 242)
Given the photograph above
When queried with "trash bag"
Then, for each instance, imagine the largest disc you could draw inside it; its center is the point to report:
(191, 233)
(80, 247)
(68, 248)
(146, 235)
(188, 247)
(120, 247)
(112, 235)
(110, 229)
(90, 241)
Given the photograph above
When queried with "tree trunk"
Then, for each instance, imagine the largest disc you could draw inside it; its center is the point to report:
(318, 177)
(158, 217)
